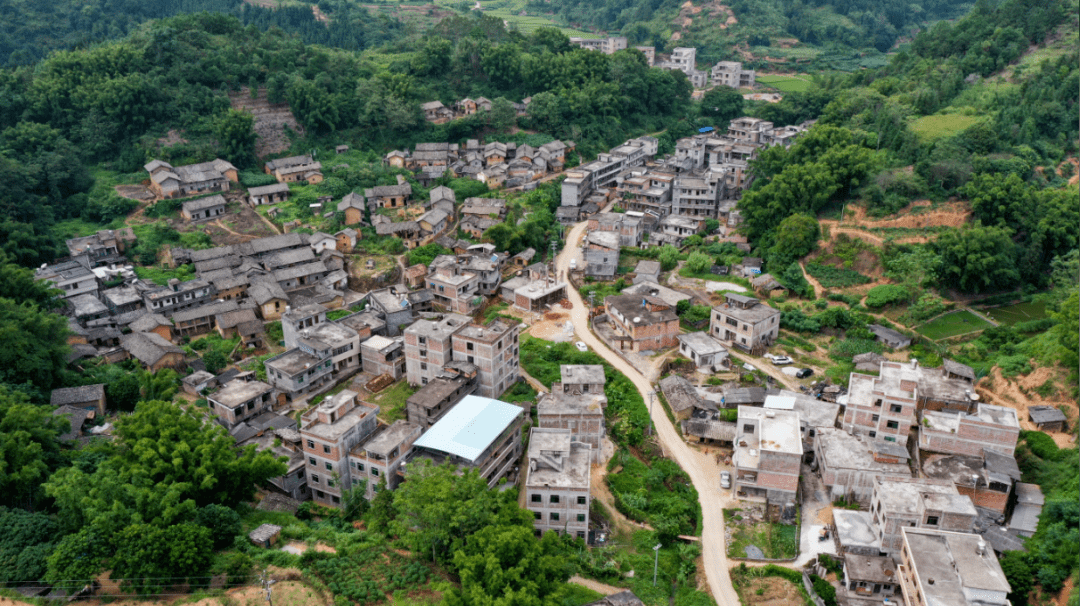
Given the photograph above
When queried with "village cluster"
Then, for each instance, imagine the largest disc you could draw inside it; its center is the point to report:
(934, 464)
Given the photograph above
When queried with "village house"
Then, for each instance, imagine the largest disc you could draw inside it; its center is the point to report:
(440, 394)
(890, 337)
(578, 379)
(988, 479)
(270, 298)
(869, 578)
(104, 247)
(90, 397)
(191, 180)
(745, 322)
(768, 455)
(378, 460)
(407, 231)
(389, 196)
(383, 356)
(429, 348)
(300, 370)
(557, 482)
(991, 427)
(295, 169)
(897, 504)
(328, 433)
(1024, 520)
(200, 320)
(241, 400)
(436, 113)
(70, 277)
(478, 433)
(353, 205)
(949, 569)
(307, 325)
(494, 351)
(647, 271)
(177, 296)
(708, 354)
(156, 323)
(849, 464)
(268, 194)
(642, 323)
(1048, 418)
(153, 351)
(682, 398)
(228, 323)
(581, 414)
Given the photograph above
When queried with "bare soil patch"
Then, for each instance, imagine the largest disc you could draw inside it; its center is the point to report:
(271, 119)
(173, 137)
(236, 227)
(1020, 393)
(134, 192)
(774, 591)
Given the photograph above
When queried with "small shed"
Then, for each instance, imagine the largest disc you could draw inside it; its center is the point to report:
(1048, 418)
(890, 337)
(265, 535)
(341, 149)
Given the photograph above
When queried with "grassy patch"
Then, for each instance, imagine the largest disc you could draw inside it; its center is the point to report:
(835, 277)
(776, 541)
(953, 324)
(930, 128)
(162, 275)
(391, 401)
(785, 84)
(1020, 312)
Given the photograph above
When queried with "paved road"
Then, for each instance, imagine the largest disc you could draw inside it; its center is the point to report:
(702, 468)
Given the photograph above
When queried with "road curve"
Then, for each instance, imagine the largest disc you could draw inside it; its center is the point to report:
(701, 467)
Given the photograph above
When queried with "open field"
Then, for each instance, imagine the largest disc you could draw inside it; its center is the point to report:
(1020, 312)
(929, 128)
(952, 324)
(786, 84)
(512, 12)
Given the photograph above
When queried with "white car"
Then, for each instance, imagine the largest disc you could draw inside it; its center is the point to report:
(725, 479)
(781, 360)
(581, 346)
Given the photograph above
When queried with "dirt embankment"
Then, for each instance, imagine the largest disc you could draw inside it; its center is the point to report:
(1021, 393)
(912, 216)
(271, 119)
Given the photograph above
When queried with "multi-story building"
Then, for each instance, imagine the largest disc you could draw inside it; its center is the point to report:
(557, 482)
(301, 370)
(71, 277)
(379, 458)
(642, 323)
(695, 197)
(950, 569)
(309, 323)
(608, 46)
(883, 407)
(294, 169)
(731, 73)
(479, 433)
(494, 351)
(869, 577)
(578, 379)
(383, 356)
(455, 289)
(848, 464)
(991, 428)
(439, 395)
(768, 455)
(428, 346)
(177, 296)
(105, 247)
(988, 479)
(330, 431)
(896, 504)
(580, 414)
(241, 400)
(745, 322)
(167, 181)
(602, 172)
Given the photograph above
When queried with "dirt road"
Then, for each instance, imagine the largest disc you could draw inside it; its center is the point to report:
(703, 470)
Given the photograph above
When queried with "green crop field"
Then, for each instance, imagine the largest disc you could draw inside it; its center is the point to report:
(511, 11)
(1021, 312)
(952, 324)
(786, 84)
(929, 128)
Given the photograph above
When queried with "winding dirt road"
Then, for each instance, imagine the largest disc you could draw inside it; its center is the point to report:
(703, 470)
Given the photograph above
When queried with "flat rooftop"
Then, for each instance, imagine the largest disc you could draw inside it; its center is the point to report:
(391, 437)
(293, 362)
(952, 503)
(876, 569)
(751, 315)
(236, 393)
(856, 529)
(701, 343)
(903, 496)
(813, 412)
(559, 403)
(331, 333)
(437, 391)
(581, 373)
(438, 329)
(553, 447)
(487, 334)
(379, 343)
(778, 430)
(470, 427)
(345, 423)
(536, 289)
(839, 450)
(945, 564)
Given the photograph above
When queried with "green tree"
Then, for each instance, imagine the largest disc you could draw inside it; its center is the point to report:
(668, 257)
(122, 392)
(507, 566)
(79, 557)
(215, 361)
(796, 237)
(978, 259)
(235, 132)
(222, 522)
(160, 385)
(26, 540)
(382, 510)
(18, 284)
(28, 447)
(503, 115)
(722, 103)
(33, 345)
(149, 557)
(699, 262)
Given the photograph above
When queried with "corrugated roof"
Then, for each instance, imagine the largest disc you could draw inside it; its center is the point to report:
(470, 427)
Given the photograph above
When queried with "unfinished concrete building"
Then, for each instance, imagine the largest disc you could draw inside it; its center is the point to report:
(432, 401)
(240, 400)
(329, 432)
(950, 569)
(429, 347)
(745, 322)
(768, 455)
(581, 414)
(557, 482)
(954, 432)
(479, 433)
(577, 379)
(378, 459)
(919, 503)
(849, 464)
(494, 351)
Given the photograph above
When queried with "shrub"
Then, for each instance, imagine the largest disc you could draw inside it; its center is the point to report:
(886, 294)
(834, 277)
(1042, 445)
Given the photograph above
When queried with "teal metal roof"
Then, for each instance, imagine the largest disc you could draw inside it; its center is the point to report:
(470, 427)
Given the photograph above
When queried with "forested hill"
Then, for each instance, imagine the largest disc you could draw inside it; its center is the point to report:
(847, 23)
(33, 29)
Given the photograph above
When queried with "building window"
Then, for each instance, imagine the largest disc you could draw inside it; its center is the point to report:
(375, 471)
(581, 534)
(336, 500)
(877, 402)
(873, 434)
(311, 444)
(931, 520)
(315, 478)
(469, 346)
(582, 500)
(423, 365)
(554, 517)
(890, 439)
(537, 515)
(536, 498)
(326, 449)
(329, 467)
(320, 494)
(360, 467)
(892, 424)
(330, 483)
(895, 408)
(875, 418)
(311, 461)
(580, 517)
(554, 499)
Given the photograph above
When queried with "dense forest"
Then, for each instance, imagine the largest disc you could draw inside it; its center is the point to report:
(844, 23)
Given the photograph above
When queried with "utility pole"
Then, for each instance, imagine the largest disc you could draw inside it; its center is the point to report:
(267, 584)
(652, 398)
(656, 560)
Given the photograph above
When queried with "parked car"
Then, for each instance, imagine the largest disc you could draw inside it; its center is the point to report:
(781, 360)
(573, 264)
(725, 479)
(581, 346)
(803, 373)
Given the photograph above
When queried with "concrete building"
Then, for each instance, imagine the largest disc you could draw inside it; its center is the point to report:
(455, 289)
(479, 433)
(494, 350)
(428, 346)
(849, 464)
(439, 395)
(768, 455)
(580, 414)
(856, 532)
(608, 46)
(241, 400)
(177, 296)
(642, 323)
(379, 458)
(281, 441)
(383, 356)
(731, 73)
(330, 431)
(988, 479)
(308, 323)
(647, 271)
(991, 427)
(949, 569)
(557, 482)
(708, 354)
(301, 370)
(746, 323)
(578, 379)
(869, 577)
(920, 503)
(71, 277)
(203, 209)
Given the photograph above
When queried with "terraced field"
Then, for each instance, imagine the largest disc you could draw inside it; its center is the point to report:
(512, 12)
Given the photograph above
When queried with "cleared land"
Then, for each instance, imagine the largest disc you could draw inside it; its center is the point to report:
(786, 84)
(1020, 312)
(930, 128)
(952, 324)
